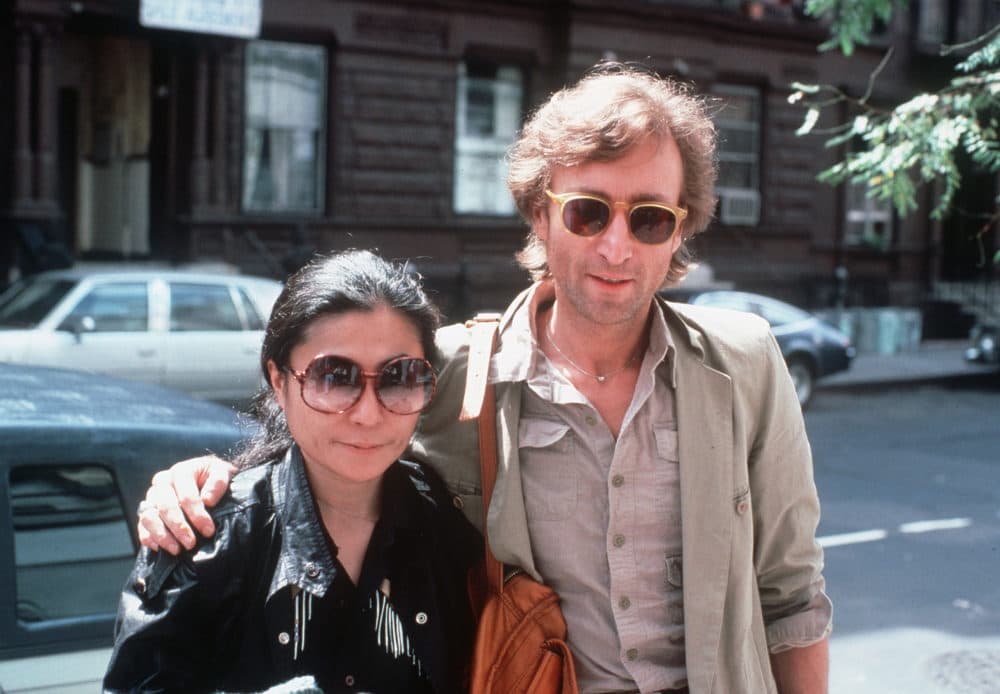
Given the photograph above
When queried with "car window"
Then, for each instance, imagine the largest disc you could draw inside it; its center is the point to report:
(72, 549)
(202, 307)
(734, 302)
(25, 304)
(113, 307)
(254, 320)
(778, 314)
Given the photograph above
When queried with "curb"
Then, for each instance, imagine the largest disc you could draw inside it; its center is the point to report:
(987, 378)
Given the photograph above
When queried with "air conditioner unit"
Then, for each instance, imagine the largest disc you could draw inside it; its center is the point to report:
(739, 206)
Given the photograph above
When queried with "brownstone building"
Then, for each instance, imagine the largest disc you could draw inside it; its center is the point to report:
(254, 132)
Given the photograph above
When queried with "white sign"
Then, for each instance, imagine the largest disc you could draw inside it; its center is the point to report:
(229, 17)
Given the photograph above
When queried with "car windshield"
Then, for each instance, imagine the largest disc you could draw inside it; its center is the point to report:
(28, 302)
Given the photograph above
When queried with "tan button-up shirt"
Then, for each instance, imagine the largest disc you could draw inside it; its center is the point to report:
(604, 513)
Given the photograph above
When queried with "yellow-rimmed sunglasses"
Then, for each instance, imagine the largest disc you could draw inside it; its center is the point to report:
(585, 214)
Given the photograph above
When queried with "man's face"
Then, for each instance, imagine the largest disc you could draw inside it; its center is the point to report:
(611, 278)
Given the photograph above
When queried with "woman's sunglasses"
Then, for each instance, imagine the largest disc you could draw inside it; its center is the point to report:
(585, 214)
(333, 384)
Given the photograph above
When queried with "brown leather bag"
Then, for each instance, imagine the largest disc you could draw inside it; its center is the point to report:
(521, 638)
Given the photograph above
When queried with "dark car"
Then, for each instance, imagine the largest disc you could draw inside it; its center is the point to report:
(812, 348)
(77, 451)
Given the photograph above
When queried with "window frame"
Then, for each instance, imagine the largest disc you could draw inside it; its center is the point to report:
(468, 148)
(320, 133)
(751, 195)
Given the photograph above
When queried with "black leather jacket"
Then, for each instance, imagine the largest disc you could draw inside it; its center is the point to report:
(224, 616)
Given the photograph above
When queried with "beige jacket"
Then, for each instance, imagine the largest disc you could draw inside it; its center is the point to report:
(749, 509)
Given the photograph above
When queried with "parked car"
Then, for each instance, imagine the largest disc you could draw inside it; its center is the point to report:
(984, 344)
(812, 348)
(77, 451)
(196, 332)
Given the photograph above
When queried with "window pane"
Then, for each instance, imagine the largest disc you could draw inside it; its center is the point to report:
(778, 314)
(202, 307)
(738, 121)
(738, 140)
(487, 117)
(285, 115)
(26, 303)
(933, 18)
(120, 307)
(735, 175)
(869, 222)
(734, 302)
(72, 549)
(254, 320)
(480, 108)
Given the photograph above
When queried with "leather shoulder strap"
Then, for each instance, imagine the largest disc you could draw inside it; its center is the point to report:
(480, 402)
(481, 343)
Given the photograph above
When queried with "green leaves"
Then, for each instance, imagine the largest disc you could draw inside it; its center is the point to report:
(919, 141)
(851, 21)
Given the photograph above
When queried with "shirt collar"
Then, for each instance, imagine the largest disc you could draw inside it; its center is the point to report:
(519, 357)
(305, 560)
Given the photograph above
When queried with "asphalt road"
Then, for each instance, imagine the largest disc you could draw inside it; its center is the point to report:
(909, 480)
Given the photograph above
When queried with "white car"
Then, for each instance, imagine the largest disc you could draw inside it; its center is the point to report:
(197, 332)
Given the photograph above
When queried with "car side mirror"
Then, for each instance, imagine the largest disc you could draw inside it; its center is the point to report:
(84, 324)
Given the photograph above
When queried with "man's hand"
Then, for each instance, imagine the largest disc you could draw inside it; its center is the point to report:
(177, 497)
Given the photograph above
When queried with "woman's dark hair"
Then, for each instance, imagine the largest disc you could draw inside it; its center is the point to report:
(327, 286)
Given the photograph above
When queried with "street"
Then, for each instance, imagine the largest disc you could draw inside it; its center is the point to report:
(909, 480)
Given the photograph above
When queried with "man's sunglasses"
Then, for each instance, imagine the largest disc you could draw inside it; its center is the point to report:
(333, 384)
(585, 214)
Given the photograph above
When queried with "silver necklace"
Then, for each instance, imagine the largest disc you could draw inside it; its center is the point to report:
(600, 378)
(371, 518)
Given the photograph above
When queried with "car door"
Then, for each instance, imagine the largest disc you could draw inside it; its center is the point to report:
(212, 352)
(65, 551)
(108, 331)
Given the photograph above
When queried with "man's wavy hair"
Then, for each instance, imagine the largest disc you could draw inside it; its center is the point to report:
(613, 108)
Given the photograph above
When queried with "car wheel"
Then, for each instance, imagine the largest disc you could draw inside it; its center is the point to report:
(803, 379)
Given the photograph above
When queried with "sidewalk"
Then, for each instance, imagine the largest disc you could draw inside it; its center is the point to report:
(936, 361)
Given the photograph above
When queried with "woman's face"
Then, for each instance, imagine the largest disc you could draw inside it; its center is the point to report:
(361, 443)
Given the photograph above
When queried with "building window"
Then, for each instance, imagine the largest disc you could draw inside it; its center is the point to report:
(932, 23)
(869, 220)
(285, 135)
(738, 123)
(489, 102)
(72, 548)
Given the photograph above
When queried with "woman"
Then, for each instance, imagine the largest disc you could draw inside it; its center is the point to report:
(332, 558)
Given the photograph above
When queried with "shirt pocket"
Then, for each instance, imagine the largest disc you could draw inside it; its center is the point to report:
(666, 442)
(548, 468)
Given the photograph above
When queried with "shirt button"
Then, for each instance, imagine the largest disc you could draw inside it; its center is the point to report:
(284, 638)
(617, 480)
(457, 501)
(349, 680)
(632, 653)
(742, 507)
(591, 420)
(619, 540)
(421, 618)
(624, 603)
(312, 571)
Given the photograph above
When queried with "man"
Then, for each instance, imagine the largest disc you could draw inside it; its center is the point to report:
(654, 466)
